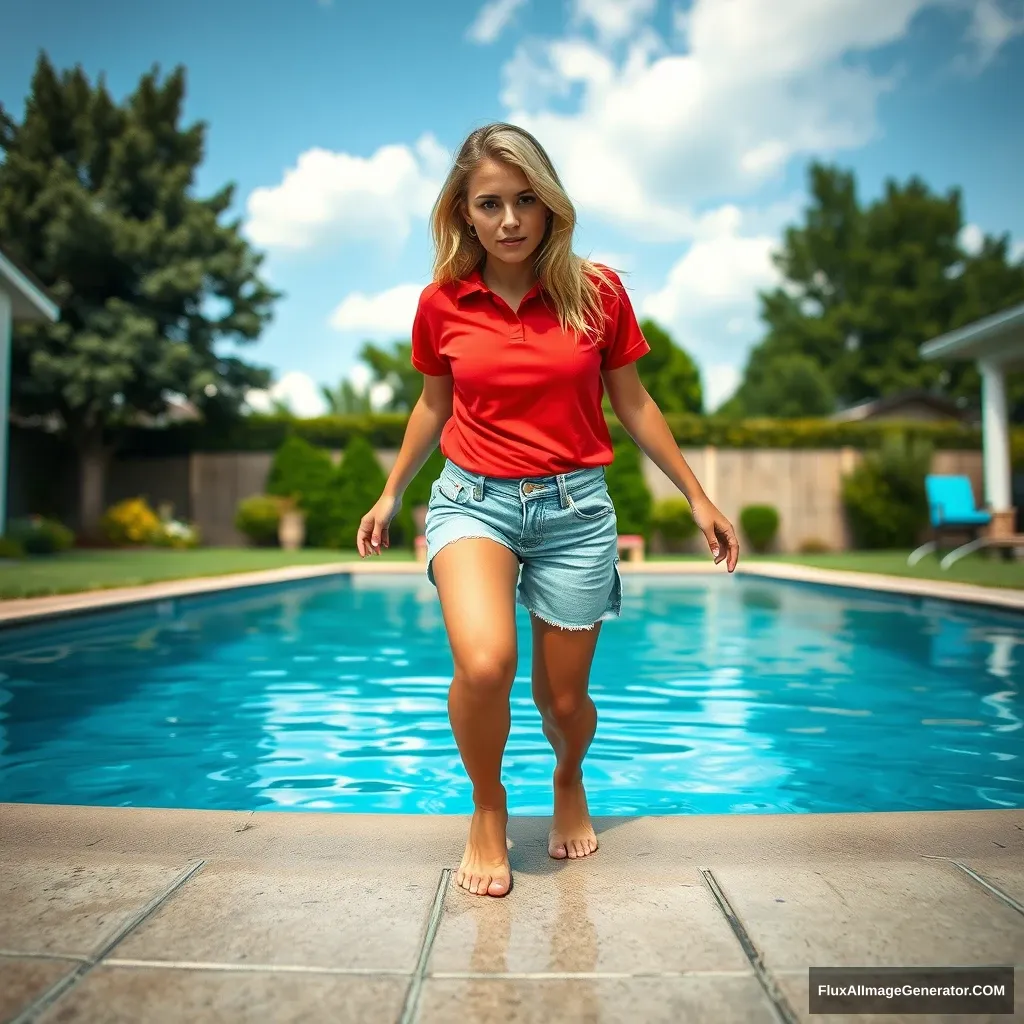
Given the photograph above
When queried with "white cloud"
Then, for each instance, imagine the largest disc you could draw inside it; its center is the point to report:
(719, 382)
(327, 194)
(992, 25)
(662, 135)
(389, 312)
(613, 19)
(492, 19)
(298, 389)
(971, 239)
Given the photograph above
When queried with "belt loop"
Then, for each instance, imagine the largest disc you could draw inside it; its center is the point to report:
(478, 486)
(563, 491)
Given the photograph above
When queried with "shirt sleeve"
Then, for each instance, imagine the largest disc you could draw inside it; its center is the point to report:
(626, 342)
(425, 355)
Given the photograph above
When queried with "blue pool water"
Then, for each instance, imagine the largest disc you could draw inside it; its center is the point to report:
(714, 694)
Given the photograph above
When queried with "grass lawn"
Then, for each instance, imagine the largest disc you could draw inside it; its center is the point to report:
(75, 571)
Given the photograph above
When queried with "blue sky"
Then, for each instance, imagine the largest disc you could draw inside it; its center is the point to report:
(681, 130)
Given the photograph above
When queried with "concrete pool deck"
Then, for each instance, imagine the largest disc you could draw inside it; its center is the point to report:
(16, 610)
(149, 915)
(111, 914)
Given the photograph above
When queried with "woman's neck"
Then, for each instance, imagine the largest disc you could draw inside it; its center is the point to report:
(514, 278)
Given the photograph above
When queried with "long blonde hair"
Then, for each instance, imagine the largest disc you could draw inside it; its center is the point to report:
(567, 278)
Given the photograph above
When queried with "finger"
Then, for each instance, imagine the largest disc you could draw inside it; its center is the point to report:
(375, 538)
(385, 537)
(709, 535)
(734, 550)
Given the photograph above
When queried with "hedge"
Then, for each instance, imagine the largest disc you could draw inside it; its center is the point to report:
(386, 430)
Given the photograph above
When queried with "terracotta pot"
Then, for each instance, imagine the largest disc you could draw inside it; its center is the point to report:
(291, 530)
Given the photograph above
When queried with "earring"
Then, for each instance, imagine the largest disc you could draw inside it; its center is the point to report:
(472, 230)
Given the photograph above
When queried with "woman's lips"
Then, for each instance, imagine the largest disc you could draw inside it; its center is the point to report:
(516, 241)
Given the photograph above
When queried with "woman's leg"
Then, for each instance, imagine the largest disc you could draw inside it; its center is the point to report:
(476, 584)
(561, 674)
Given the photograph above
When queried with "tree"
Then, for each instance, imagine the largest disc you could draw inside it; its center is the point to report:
(395, 369)
(96, 200)
(669, 374)
(344, 399)
(865, 287)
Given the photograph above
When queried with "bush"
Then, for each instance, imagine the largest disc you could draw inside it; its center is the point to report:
(673, 519)
(360, 480)
(131, 521)
(10, 548)
(760, 524)
(813, 546)
(39, 535)
(258, 518)
(884, 497)
(628, 490)
(305, 473)
(175, 533)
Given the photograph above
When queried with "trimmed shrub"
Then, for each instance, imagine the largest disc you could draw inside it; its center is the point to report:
(131, 521)
(628, 490)
(305, 473)
(673, 519)
(258, 517)
(760, 524)
(176, 533)
(38, 535)
(884, 497)
(813, 546)
(359, 481)
(10, 548)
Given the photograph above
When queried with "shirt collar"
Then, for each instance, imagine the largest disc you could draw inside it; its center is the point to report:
(474, 282)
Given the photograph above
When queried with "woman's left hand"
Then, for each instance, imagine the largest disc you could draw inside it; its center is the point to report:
(721, 537)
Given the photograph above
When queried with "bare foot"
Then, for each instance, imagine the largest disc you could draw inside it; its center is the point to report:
(485, 870)
(571, 833)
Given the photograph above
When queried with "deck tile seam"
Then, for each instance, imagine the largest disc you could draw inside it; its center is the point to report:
(24, 954)
(579, 975)
(51, 995)
(1005, 897)
(410, 1006)
(776, 998)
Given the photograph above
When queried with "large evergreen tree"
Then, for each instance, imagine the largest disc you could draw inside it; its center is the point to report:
(96, 199)
(865, 287)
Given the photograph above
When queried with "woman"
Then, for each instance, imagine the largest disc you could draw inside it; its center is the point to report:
(515, 337)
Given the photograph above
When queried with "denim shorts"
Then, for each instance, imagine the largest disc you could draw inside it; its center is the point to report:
(562, 529)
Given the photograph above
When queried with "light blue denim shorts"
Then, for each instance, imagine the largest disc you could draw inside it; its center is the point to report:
(562, 528)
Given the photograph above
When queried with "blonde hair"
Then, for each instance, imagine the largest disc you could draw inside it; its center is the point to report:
(567, 278)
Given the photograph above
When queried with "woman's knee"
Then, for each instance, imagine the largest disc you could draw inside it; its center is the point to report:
(487, 671)
(563, 709)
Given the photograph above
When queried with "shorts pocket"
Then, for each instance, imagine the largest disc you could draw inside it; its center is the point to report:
(592, 507)
(453, 490)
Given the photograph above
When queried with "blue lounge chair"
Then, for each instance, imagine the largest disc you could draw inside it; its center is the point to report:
(951, 507)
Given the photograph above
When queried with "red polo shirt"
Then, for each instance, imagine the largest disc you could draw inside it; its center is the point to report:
(526, 395)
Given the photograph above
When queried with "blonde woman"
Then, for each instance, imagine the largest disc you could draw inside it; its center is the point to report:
(517, 338)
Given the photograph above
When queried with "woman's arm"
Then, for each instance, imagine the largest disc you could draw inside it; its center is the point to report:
(422, 432)
(645, 423)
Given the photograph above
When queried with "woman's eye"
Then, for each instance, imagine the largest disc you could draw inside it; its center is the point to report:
(490, 202)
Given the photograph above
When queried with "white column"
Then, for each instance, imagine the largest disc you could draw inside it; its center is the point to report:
(995, 435)
(5, 388)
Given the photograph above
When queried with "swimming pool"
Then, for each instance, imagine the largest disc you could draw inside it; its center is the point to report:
(714, 694)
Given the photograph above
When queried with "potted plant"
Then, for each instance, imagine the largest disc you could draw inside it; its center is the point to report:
(291, 529)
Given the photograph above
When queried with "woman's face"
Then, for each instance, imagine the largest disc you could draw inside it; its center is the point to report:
(502, 205)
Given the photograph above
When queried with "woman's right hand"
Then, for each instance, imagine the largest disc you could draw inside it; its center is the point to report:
(373, 527)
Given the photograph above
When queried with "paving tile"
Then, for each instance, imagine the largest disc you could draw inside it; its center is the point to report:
(318, 915)
(25, 978)
(568, 916)
(73, 905)
(794, 986)
(130, 995)
(579, 1000)
(868, 913)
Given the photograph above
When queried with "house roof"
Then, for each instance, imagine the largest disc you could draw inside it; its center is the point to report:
(912, 396)
(999, 337)
(29, 299)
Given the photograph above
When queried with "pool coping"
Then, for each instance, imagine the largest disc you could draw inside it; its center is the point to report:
(30, 609)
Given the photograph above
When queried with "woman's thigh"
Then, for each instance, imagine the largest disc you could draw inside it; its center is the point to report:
(476, 585)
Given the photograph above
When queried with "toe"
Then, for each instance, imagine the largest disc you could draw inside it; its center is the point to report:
(498, 887)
